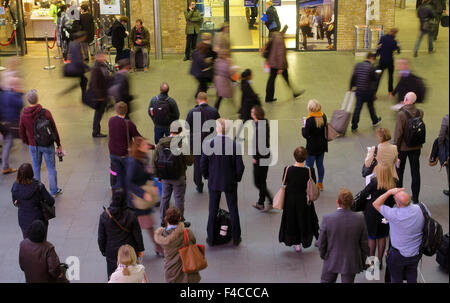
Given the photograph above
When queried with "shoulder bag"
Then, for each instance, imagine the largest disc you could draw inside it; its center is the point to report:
(49, 212)
(192, 256)
(312, 191)
(369, 170)
(278, 200)
(330, 132)
(115, 220)
(142, 204)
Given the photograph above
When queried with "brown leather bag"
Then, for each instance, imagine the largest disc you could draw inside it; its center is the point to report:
(192, 256)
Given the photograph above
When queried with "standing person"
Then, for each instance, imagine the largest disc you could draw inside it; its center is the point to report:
(364, 78)
(253, 15)
(120, 88)
(140, 42)
(87, 25)
(314, 128)
(128, 270)
(329, 28)
(172, 239)
(98, 87)
(138, 173)
(299, 222)
(118, 225)
(193, 23)
(273, 22)
(27, 195)
(64, 28)
(249, 98)
(387, 45)
(408, 111)
(223, 171)
(202, 63)
(223, 70)
(37, 257)
(443, 139)
(118, 35)
(318, 23)
(386, 153)
(408, 82)
(305, 27)
(260, 170)
(427, 17)
(278, 65)
(406, 223)
(378, 230)
(37, 149)
(173, 176)
(121, 134)
(201, 113)
(343, 242)
(163, 110)
(440, 8)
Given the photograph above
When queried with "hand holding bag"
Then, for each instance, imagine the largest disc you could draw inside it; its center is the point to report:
(312, 191)
(278, 200)
(369, 170)
(140, 203)
(192, 256)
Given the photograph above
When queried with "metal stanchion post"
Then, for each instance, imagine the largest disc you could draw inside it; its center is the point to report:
(58, 56)
(15, 39)
(48, 67)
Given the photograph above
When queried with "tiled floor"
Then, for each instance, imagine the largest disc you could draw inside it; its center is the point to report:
(260, 258)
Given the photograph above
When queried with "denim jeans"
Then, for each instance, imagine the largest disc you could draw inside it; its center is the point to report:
(361, 97)
(49, 156)
(160, 132)
(430, 41)
(319, 164)
(401, 267)
(117, 172)
(7, 144)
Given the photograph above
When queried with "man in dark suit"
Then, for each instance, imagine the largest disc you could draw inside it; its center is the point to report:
(204, 112)
(222, 165)
(343, 242)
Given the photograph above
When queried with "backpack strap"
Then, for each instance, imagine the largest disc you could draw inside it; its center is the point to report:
(424, 211)
(408, 115)
(115, 220)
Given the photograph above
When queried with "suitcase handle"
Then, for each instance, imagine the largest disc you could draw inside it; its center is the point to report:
(348, 100)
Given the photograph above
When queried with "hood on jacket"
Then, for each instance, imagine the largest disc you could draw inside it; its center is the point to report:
(32, 111)
(25, 192)
(164, 237)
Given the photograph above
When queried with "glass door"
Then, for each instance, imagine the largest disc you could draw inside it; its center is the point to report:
(11, 13)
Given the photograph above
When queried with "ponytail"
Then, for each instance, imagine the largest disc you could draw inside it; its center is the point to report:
(125, 271)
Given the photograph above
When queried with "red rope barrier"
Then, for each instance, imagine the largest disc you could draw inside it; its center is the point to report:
(98, 35)
(10, 40)
(54, 41)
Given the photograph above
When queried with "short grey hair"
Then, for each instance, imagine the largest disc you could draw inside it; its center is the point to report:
(32, 96)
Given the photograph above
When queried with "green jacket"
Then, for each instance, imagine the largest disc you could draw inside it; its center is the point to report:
(193, 21)
(145, 40)
(185, 160)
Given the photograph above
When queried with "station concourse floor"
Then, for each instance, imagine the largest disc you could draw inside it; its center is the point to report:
(84, 173)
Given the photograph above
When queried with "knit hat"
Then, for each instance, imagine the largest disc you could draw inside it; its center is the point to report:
(36, 231)
(32, 96)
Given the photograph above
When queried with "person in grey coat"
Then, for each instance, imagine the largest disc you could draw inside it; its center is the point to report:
(343, 242)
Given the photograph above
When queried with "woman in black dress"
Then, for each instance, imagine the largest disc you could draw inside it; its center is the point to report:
(377, 228)
(299, 222)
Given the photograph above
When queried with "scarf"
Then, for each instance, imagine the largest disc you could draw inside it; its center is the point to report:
(315, 115)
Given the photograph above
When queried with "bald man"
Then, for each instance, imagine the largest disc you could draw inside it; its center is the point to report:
(406, 223)
(408, 111)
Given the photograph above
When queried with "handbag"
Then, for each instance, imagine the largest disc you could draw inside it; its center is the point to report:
(369, 170)
(278, 200)
(49, 212)
(358, 204)
(192, 256)
(330, 133)
(140, 203)
(312, 191)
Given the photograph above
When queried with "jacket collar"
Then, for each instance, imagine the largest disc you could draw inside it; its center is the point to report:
(165, 240)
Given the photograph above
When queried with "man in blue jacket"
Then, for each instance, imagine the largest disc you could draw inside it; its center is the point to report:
(387, 45)
(223, 167)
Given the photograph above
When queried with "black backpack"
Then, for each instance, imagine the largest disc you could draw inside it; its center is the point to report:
(161, 112)
(44, 134)
(168, 165)
(432, 234)
(415, 131)
(222, 233)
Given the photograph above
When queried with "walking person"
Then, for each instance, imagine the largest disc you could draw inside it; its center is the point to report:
(343, 242)
(273, 21)
(299, 222)
(408, 111)
(427, 17)
(138, 173)
(408, 82)
(27, 195)
(163, 110)
(443, 139)
(118, 225)
(193, 23)
(118, 35)
(128, 270)
(48, 137)
(261, 168)
(278, 65)
(364, 79)
(120, 87)
(173, 175)
(223, 70)
(87, 25)
(249, 98)
(202, 66)
(172, 239)
(140, 43)
(406, 222)
(201, 113)
(224, 171)
(440, 9)
(314, 128)
(387, 45)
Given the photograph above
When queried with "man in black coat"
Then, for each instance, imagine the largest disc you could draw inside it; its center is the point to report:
(387, 45)
(222, 165)
(87, 25)
(201, 112)
(120, 88)
(408, 83)
(118, 35)
(118, 226)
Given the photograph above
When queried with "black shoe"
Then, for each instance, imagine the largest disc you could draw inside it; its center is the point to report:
(377, 123)
(185, 59)
(252, 27)
(445, 191)
(299, 93)
(237, 242)
(199, 189)
(273, 100)
(99, 135)
(210, 243)
(415, 54)
(187, 224)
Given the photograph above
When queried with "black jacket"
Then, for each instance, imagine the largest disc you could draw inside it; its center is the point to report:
(248, 100)
(425, 13)
(386, 47)
(100, 81)
(316, 143)
(410, 83)
(120, 88)
(261, 154)
(87, 25)
(111, 236)
(364, 77)
(118, 34)
(272, 16)
(206, 113)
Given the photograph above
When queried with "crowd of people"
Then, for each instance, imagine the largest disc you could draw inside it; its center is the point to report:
(144, 175)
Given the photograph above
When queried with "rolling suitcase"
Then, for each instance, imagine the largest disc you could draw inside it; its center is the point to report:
(139, 59)
(341, 117)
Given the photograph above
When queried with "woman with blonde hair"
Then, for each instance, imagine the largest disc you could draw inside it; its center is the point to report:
(128, 270)
(386, 153)
(377, 227)
(316, 143)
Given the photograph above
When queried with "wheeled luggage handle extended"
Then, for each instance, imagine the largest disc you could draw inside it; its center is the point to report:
(348, 100)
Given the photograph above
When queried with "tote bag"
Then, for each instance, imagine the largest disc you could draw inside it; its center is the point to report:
(143, 204)
(278, 200)
(312, 191)
(192, 256)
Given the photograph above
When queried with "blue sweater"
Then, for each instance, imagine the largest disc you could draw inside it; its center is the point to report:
(11, 105)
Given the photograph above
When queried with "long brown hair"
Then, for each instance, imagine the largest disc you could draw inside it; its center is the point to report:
(134, 149)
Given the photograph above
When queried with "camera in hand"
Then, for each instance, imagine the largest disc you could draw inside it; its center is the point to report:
(60, 156)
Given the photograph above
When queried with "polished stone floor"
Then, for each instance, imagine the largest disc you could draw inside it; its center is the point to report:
(260, 258)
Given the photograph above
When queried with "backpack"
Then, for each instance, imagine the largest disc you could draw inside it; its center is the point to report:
(432, 234)
(415, 129)
(167, 165)
(44, 134)
(222, 233)
(161, 112)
